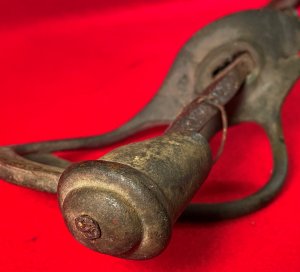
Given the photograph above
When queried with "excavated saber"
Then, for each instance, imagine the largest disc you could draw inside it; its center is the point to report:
(235, 70)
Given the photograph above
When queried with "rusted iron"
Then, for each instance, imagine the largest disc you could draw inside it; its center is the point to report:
(200, 111)
(88, 227)
(126, 203)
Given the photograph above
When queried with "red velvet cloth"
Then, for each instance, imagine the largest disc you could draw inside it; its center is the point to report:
(84, 67)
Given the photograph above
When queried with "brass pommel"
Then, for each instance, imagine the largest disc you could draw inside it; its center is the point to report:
(126, 203)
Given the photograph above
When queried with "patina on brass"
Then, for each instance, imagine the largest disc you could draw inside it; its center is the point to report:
(136, 192)
(126, 203)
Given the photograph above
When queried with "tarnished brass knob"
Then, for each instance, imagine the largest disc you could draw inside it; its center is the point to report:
(126, 203)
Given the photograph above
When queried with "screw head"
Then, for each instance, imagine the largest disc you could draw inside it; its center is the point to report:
(88, 227)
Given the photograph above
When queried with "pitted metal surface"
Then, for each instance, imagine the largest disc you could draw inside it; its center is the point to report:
(125, 203)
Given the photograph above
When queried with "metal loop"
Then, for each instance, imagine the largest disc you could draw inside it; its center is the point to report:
(222, 110)
(226, 210)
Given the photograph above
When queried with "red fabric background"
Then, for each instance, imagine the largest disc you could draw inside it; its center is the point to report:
(83, 67)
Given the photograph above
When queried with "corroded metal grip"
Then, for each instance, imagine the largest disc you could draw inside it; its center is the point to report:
(126, 203)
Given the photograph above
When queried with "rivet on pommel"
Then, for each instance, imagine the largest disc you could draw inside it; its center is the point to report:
(88, 227)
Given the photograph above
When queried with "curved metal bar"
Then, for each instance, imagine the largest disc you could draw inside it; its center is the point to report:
(137, 124)
(256, 201)
(21, 171)
(33, 165)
